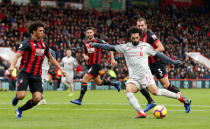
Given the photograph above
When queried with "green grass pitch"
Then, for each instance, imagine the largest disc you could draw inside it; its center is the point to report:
(105, 109)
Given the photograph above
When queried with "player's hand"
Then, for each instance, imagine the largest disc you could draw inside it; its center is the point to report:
(86, 57)
(113, 62)
(63, 72)
(11, 68)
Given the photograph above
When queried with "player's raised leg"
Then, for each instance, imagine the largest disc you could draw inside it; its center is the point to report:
(163, 92)
(36, 97)
(132, 88)
(166, 84)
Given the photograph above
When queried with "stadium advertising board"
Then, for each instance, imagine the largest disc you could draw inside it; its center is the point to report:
(183, 84)
(141, 2)
(73, 5)
(183, 3)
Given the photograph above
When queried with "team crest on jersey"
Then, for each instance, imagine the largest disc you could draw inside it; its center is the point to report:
(21, 80)
(39, 52)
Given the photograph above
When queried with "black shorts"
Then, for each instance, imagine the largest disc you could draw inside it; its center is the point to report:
(159, 70)
(25, 80)
(94, 70)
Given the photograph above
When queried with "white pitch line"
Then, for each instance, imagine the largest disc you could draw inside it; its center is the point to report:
(91, 109)
(170, 105)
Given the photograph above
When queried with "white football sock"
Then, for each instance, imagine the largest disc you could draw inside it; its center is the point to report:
(72, 87)
(66, 84)
(134, 102)
(167, 93)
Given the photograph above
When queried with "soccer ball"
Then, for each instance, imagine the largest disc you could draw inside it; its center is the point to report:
(160, 111)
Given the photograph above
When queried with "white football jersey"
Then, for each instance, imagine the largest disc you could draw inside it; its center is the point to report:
(136, 58)
(45, 65)
(68, 63)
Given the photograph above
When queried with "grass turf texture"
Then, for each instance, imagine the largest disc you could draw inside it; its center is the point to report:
(105, 109)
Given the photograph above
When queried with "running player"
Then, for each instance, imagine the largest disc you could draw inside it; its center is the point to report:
(136, 55)
(69, 63)
(33, 50)
(157, 66)
(93, 57)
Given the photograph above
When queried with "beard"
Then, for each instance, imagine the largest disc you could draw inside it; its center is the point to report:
(135, 43)
(90, 37)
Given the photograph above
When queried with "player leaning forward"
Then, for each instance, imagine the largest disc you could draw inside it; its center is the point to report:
(136, 55)
(33, 50)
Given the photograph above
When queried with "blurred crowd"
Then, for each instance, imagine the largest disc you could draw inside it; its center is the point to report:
(180, 30)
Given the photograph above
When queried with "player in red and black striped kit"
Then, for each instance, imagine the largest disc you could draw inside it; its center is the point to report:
(93, 57)
(33, 50)
(157, 66)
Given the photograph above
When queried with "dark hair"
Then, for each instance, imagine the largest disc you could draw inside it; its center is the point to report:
(142, 19)
(34, 26)
(89, 28)
(133, 30)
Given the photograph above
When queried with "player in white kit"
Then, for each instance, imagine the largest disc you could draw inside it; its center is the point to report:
(69, 63)
(45, 77)
(136, 55)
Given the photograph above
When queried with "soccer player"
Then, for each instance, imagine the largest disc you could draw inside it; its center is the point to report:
(93, 57)
(33, 50)
(69, 63)
(45, 76)
(157, 66)
(136, 55)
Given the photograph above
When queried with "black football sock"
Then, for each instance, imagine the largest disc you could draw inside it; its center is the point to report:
(83, 90)
(28, 105)
(105, 82)
(147, 95)
(173, 89)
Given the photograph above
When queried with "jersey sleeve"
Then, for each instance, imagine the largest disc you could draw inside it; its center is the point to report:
(120, 48)
(47, 50)
(149, 49)
(101, 41)
(85, 49)
(152, 38)
(23, 47)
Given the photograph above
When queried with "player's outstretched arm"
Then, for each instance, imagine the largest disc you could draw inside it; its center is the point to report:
(167, 59)
(55, 63)
(103, 46)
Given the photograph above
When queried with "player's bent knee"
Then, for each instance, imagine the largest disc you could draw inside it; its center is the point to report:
(128, 89)
(154, 93)
(36, 99)
(99, 83)
(21, 96)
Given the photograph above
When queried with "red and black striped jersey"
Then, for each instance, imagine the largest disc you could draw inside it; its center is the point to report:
(152, 39)
(33, 53)
(93, 53)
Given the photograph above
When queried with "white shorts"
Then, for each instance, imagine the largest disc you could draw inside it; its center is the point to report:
(143, 82)
(69, 77)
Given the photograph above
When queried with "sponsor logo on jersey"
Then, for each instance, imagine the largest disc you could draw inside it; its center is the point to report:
(39, 52)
